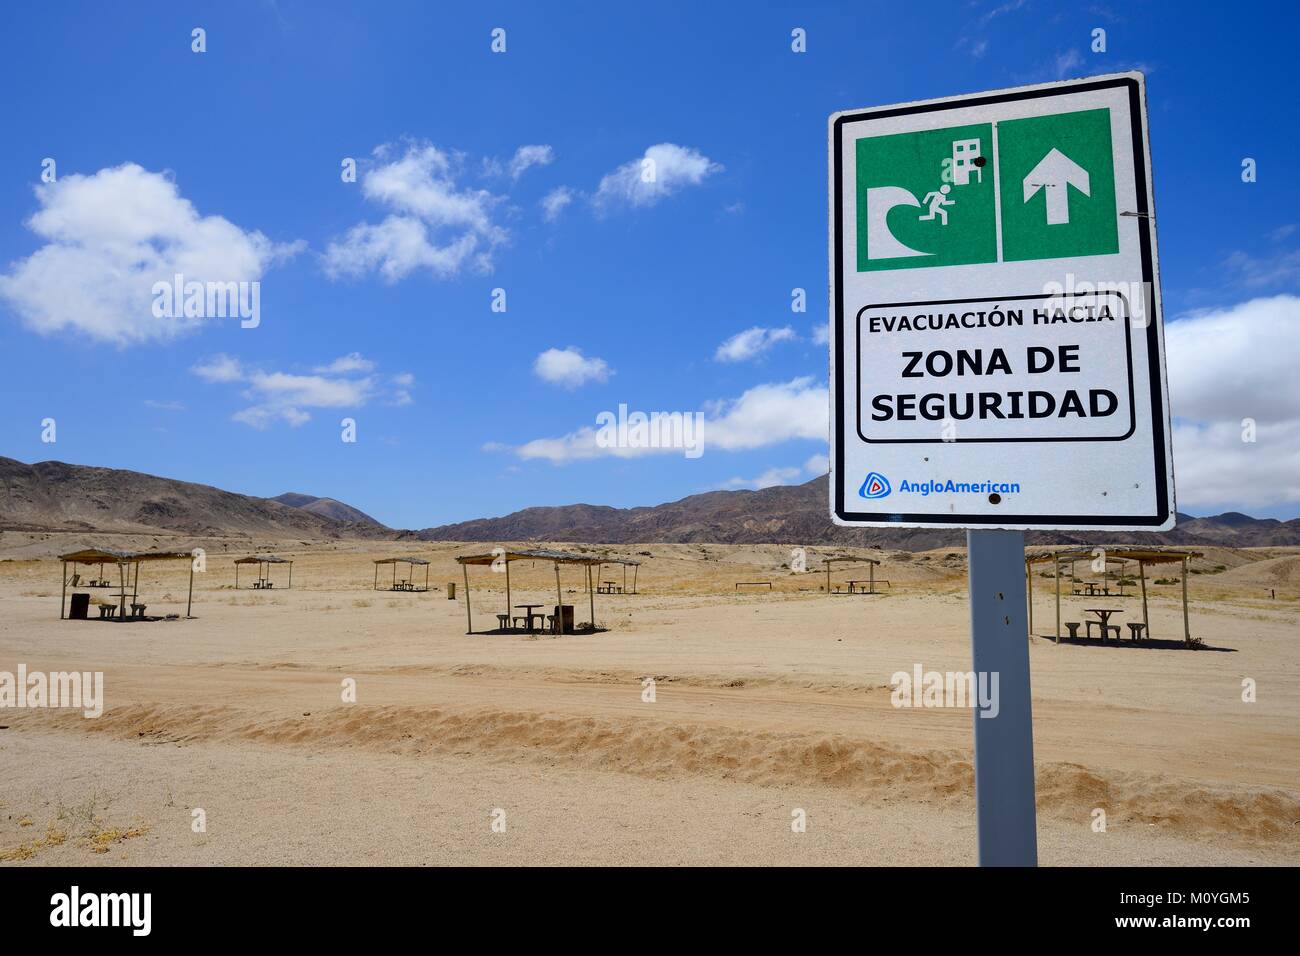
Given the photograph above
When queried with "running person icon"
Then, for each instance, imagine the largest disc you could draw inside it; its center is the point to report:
(936, 201)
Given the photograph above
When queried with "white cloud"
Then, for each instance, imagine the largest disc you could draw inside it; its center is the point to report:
(1229, 364)
(434, 224)
(768, 414)
(219, 368)
(554, 202)
(109, 237)
(662, 170)
(1214, 467)
(352, 362)
(751, 343)
(1267, 271)
(1225, 366)
(821, 334)
(816, 466)
(764, 415)
(569, 368)
(527, 157)
(287, 396)
(263, 416)
(1067, 62)
(768, 479)
(524, 159)
(317, 391)
(402, 395)
(999, 9)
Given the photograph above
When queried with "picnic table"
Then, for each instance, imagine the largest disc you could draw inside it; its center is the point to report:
(854, 586)
(529, 614)
(609, 587)
(1103, 614)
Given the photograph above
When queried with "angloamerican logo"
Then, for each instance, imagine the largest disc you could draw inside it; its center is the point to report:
(877, 485)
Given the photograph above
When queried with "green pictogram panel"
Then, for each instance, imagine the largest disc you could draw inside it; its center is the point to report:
(1057, 176)
(926, 199)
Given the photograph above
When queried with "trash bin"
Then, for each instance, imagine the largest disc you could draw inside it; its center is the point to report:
(80, 608)
(564, 613)
(451, 590)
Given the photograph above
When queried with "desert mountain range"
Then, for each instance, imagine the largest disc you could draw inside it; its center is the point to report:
(330, 508)
(55, 496)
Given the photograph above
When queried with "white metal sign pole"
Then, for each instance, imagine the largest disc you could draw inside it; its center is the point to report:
(1004, 733)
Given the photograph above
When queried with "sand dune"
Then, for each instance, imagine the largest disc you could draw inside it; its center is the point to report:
(661, 751)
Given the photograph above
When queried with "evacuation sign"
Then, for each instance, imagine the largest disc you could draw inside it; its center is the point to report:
(996, 343)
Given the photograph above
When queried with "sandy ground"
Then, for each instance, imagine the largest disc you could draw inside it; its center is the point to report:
(765, 704)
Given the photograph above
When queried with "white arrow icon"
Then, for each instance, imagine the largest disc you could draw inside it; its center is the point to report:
(1053, 173)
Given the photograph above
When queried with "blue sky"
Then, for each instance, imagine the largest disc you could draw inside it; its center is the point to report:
(376, 296)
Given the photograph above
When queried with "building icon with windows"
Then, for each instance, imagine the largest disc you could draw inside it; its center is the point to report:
(964, 154)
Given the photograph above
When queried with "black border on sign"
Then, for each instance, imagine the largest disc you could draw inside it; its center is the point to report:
(1128, 365)
(1159, 436)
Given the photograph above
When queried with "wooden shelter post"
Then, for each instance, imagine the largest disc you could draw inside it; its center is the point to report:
(1187, 630)
(828, 575)
(1142, 573)
(469, 617)
(591, 599)
(507, 592)
(635, 569)
(871, 573)
(1057, 562)
(135, 588)
(559, 602)
(121, 596)
(290, 576)
(189, 601)
(63, 600)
